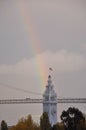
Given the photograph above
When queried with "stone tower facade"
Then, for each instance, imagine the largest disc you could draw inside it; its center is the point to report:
(50, 102)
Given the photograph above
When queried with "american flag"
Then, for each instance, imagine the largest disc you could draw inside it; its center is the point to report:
(50, 69)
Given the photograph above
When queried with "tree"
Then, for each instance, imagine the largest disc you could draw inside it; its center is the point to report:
(44, 122)
(4, 125)
(72, 118)
(26, 124)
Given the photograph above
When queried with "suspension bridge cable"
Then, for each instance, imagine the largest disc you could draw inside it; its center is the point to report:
(23, 90)
(19, 89)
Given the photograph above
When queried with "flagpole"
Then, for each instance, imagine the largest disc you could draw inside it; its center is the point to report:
(50, 70)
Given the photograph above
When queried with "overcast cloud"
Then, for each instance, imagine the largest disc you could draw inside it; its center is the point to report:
(54, 31)
(61, 61)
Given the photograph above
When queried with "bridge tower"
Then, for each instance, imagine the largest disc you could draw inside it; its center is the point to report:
(50, 102)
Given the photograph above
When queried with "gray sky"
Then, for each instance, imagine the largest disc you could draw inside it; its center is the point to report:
(36, 35)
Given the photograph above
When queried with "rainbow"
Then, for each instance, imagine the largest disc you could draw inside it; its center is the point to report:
(34, 42)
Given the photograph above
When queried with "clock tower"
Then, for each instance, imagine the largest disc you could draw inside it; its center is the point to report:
(50, 102)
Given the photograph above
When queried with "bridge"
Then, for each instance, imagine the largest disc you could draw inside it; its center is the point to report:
(49, 97)
(32, 100)
(29, 100)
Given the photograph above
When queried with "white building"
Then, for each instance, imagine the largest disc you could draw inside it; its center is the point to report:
(50, 102)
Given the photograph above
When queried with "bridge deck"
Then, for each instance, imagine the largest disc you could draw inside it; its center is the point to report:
(29, 100)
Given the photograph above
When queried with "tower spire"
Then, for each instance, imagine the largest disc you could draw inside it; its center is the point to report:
(49, 80)
(50, 102)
